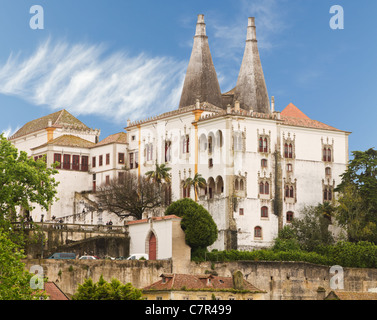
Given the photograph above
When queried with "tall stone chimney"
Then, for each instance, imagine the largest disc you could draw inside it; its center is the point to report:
(251, 90)
(201, 79)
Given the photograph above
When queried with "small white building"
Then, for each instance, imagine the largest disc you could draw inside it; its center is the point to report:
(160, 238)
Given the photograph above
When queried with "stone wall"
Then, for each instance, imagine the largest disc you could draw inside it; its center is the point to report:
(281, 280)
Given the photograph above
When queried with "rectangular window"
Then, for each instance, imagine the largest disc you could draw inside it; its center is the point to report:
(58, 158)
(67, 162)
(131, 160)
(84, 163)
(94, 162)
(107, 180)
(241, 212)
(107, 158)
(75, 162)
(121, 158)
(100, 160)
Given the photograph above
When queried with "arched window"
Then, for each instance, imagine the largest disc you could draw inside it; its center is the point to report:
(324, 154)
(258, 232)
(266, 188)
(264, 212)
(241, 185)
(261, 188)
(265, 145)
(328, 171)
(260, 144)
(329, 157)
(264, 163)
(290, 151)
(236, 185)
(289, 216)
(286, 150)
(330, 194)
(325, 195)
(291, 192)
(286, 191)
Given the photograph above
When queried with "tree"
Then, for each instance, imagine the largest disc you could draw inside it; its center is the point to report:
(103, 290)
(197, 182)
(14, 279)
(197, 223)
(160, 174)
(24, 182)
(357, 202)
(130, 196)
(309, 231)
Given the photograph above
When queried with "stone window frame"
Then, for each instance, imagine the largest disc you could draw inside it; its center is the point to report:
(288, 183)
(287, 141)
(265, 137)
(265, 179)
(326, 146)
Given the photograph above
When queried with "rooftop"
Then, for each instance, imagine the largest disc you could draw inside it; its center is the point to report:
(175, 282)
(57, 119)
(68, 140)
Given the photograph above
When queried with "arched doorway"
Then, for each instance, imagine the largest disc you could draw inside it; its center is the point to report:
(152, 247)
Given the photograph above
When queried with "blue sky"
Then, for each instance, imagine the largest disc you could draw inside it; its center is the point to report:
(109, 61)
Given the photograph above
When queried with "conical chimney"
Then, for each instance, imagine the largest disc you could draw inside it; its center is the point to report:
(201, 79)
(251, 90)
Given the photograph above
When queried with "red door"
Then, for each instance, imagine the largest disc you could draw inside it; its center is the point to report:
(152, 247)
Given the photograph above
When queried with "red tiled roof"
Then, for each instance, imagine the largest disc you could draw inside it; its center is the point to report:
(120, 137)
(155, 219)
(175, 281)
(54, 291)
(293, 116)
(58, 119)
(348, 295)
(68, 140)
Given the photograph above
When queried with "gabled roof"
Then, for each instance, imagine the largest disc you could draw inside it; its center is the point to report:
(58, 119)
(348, 295)
(120, 137)
(175, 282)
(68, 140)
(293, 116)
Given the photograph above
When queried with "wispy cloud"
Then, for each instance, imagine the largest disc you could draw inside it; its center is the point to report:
(9, 131)
(86, 79)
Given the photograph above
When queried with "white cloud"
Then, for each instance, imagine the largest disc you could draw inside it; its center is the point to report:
(85, 79)
(9, 131)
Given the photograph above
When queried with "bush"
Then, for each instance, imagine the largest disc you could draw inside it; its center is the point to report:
(197, 223)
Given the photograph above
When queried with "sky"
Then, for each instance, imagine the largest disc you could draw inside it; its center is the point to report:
(106, 61)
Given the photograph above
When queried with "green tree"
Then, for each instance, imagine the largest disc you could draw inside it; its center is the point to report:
(197, 223)
(103, 290)
(308, 232)
(160, 174)
(357, 202)
(14, 279)
(24, 182)
(197, 182)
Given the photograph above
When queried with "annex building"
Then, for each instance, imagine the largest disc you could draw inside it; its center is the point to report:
(262, 166)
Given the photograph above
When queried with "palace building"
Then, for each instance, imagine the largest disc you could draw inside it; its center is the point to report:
(262, 166)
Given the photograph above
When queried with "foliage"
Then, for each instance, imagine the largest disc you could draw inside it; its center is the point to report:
(197, 223)
(357, 209)
(23, 181)
(197, 182)
(160, 174)
(309, 231)
(103, 290)
(130, 196)
(14, 279)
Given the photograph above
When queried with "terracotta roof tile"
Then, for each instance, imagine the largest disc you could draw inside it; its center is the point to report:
(293, 116)
(58, 119)
(175, 281)
(68, 141)
(348, 295)
(120, 137)
(54, 291)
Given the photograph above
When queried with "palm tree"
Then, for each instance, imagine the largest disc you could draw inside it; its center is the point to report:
(160, 174)
(197, 182)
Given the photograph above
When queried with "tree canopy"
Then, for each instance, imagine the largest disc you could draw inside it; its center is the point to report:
(357, 202)
(103, 290)
(197, 223)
